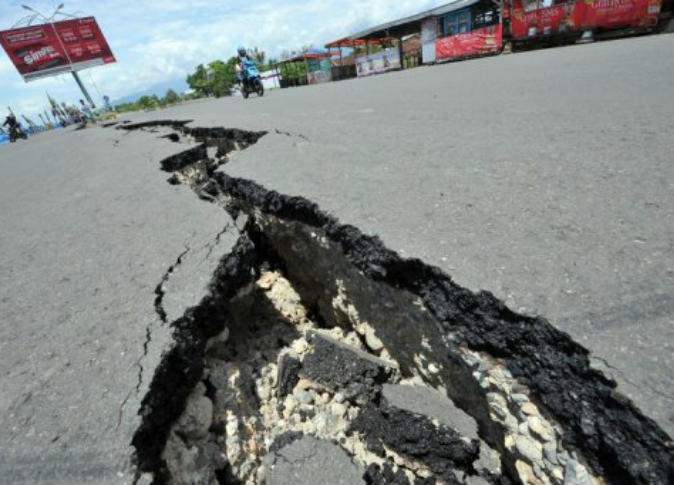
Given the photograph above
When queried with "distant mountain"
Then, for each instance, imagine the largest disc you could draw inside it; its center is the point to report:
(178, 85)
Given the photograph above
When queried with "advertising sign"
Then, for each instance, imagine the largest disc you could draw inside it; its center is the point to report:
(381, 61)
(479, 41)
(539, 22)
(48, 49)
(581, 15)
(616, 13)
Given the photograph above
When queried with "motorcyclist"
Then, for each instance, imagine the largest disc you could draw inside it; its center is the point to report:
(13, 127)
(10, 122)
(243, 56)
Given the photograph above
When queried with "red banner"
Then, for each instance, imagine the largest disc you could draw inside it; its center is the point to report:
(581, 15)
(590, 14)
(48, 49)
(542, 21)
(485, 40)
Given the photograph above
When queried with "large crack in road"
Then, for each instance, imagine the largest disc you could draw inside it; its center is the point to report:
(316, 342)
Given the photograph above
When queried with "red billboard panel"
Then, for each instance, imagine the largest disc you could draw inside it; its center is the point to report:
(84, 42)
(616, 13)
(47, 49)
(35, 50)
(484, 40)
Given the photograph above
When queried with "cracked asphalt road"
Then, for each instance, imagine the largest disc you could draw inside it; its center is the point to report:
(89, 228)
(545, 177)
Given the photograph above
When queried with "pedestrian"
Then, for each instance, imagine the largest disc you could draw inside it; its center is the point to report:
(86, 110)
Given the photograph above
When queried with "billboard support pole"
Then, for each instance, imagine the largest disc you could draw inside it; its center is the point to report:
(84, 90)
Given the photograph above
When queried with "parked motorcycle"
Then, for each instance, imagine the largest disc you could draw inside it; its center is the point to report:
(252, 82)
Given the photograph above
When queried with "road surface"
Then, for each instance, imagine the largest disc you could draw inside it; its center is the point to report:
(545, 177)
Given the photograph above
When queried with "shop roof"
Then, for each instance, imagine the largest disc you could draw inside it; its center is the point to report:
(348, 41)
(308, 55)
(401, 27)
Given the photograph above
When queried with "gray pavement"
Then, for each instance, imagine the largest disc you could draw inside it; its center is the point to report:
(545, 177)
(309, 461)
(89, 228)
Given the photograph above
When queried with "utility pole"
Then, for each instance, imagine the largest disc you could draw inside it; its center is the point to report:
(84, 90)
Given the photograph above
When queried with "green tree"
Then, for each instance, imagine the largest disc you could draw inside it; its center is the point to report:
(199, 81)
(222, 76)
(216, 79)
(148, 102)
(124, 107)
(171, 97)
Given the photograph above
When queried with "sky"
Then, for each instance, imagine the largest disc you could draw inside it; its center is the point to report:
(159, 42)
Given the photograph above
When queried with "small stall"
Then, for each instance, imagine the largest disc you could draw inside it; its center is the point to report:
(311, 67)
(364, 57)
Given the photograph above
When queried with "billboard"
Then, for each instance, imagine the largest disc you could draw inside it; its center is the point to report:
(47, 49)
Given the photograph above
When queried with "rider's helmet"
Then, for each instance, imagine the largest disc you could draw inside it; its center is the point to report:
(242, 51)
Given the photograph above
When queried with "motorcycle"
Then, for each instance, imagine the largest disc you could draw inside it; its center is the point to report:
(16, 133)
(252, 82)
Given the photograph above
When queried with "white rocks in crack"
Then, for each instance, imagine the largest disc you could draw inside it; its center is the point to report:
(303, 396)
(476, 480)
(528, 436)
(489, 461)
(371, 340)
(300, 345)
(526, 473)
(576, 474)
(550, 452)
(529, 448)
(497, 403)
(267, 382)
(233, 448)
(426, 369)
(197, 417)
(529, 408)
(342, 304)
(540, 428)
(283, 297)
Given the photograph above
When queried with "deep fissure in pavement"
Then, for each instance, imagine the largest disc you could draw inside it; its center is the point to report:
(313, 336)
